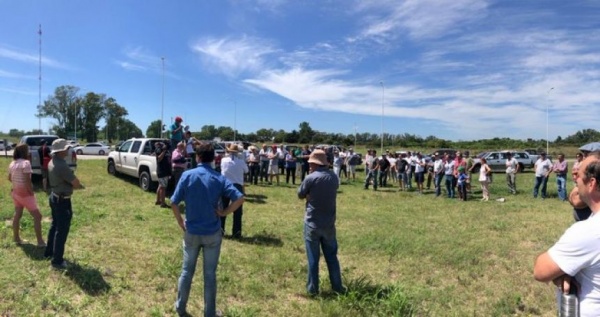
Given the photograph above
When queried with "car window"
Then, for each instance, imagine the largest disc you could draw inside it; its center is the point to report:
(503, 156)
(36, 141)
(125, 147)
(493, 156)
(136, 146)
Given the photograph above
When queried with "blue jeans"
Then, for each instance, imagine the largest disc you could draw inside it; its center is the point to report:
(236, 231)
(211, 249)
(372, 175)
(62, 214)
(315, 240)
(540, 180)
(561, 183)
(450, 185)
(437, 182)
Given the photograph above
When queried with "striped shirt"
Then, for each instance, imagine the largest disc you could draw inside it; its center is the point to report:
(20, 175)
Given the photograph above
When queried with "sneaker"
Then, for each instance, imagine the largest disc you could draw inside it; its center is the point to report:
(62, 266)
(163, 205)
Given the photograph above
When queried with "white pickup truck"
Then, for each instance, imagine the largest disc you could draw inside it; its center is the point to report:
(135, 158)
(35, 141)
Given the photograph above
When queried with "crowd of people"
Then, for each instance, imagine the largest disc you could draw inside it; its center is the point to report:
(211, 193)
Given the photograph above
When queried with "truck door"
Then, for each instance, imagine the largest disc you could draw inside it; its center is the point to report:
(131, 164)
(121, 158)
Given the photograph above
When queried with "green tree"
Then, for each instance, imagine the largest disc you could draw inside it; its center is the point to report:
(306, 133)
(154, 129)
(93, 109)
(207, 132)
(113, 112)
(61, 106)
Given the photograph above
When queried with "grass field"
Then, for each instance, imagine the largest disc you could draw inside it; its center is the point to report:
(401, 254)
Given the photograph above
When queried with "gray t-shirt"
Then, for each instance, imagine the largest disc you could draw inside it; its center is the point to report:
(60, 176)
(321, 188)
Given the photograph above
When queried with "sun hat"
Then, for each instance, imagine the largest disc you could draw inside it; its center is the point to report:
(233, 148)
(318, 157)
(591, 147)
(59, 145)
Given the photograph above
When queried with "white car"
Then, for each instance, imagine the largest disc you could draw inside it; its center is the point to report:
(92, 149)
(4, 147)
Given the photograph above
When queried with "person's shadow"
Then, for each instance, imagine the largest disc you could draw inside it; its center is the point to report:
(264, 238)
(32, 251)
(89, 279)
(255, 199)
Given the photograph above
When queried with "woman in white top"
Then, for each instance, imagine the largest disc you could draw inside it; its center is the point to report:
(484, 179)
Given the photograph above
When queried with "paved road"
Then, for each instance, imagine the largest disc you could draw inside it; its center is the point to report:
(9, 154)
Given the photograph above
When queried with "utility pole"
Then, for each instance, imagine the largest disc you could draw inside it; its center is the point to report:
(40, 82)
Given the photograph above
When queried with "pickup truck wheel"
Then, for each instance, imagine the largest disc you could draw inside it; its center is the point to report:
(111, 169)
(79, 152)
(521, 167)
(145, 181)
(101, 152)
(476, 168)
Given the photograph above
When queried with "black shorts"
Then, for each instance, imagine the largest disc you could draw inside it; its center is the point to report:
(419, 177)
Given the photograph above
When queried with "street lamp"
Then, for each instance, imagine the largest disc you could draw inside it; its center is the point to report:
(382, 103)
(162, 104)
(548, 119)
(234, 119)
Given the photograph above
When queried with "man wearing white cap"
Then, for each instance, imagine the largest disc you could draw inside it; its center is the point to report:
(319, 189)
(62, 182)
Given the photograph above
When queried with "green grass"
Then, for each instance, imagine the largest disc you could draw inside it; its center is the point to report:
(401, 254)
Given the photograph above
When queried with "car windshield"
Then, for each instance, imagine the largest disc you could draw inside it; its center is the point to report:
(482, 154)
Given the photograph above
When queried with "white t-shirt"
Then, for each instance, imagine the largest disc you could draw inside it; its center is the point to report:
(419, 165)
(577, 253)
(449, 168)
(542, 167)
(511, 165)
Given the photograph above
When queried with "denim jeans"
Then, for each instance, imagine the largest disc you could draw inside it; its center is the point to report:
(315, 240)
(450, 185)
(437, 182)
(371, 176)
(254, 172)
(540, 180)
(561, 183)
(211, 249)
(62, 214)
(264, 170)
(511, 182)
(236, 230)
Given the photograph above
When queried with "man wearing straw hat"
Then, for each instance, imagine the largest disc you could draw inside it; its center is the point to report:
(234, 168)
(319, 189)
(577, 252)
(62, 182)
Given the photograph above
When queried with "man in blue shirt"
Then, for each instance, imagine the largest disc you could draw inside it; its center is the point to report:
(319, 189)
(202, 189)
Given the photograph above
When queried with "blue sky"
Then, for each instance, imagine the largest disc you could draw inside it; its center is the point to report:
(456, 69)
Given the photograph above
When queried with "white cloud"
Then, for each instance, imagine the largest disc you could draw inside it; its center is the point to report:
(418, 18)
(30, 58)
(140, 59)
(7, 74)
(234, 56)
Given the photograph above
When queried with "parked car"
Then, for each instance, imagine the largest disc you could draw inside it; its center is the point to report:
(92, 149)
(496, 160)
(5, 147)
(535, 154)
(441, 152)
(34, 142)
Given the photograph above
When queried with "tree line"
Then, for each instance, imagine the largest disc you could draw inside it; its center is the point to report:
(83, 112)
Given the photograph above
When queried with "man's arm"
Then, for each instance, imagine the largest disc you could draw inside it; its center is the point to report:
(177, 214)
(545, 269)
(231, 208)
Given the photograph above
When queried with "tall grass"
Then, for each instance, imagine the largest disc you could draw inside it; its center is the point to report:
(402, 254)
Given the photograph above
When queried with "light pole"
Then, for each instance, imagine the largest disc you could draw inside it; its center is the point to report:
(234, 119)
(382, 103)
(548, 120)
(162, 102)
